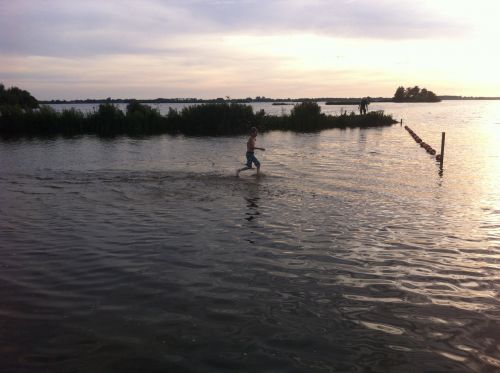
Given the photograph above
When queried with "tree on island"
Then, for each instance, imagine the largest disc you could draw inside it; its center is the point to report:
(414, 94)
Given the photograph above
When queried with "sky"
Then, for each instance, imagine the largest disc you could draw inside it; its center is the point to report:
(60, 49)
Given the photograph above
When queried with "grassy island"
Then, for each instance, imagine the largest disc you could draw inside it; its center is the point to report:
(24, 117)
(200, 120)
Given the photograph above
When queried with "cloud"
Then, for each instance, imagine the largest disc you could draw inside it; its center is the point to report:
(386, 19)
(210, 48)
(207, 74)
(63, 28)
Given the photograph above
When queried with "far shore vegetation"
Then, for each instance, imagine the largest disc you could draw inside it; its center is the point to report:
(414, 94)
(21, 115)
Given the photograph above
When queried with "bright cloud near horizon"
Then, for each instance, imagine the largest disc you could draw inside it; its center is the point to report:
(61, 49)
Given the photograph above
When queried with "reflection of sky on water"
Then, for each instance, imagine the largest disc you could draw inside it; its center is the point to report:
(349, 238)
(472, 158)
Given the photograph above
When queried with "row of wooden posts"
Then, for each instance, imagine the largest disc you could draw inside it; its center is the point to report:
(427, 147)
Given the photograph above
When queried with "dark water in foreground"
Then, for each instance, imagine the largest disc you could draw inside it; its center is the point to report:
(351, 253)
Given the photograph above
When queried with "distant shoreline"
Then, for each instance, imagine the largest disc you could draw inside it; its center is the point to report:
(333, 101)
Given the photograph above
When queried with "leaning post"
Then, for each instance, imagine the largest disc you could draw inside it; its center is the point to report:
(443, 135)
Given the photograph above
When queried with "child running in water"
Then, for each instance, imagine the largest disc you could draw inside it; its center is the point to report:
(250, 153)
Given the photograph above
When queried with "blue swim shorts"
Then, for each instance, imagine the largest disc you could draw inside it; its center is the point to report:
(251, 158)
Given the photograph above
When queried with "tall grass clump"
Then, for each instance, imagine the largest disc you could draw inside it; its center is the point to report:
(143, 119)
(306, 116)
(215, 119)
(107, 120)
(72, 122)
(45, 119)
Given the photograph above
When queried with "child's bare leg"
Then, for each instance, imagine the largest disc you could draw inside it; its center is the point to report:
(258, 169)
(242, 169)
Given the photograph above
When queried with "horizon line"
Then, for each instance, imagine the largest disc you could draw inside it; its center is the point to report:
(261, 98)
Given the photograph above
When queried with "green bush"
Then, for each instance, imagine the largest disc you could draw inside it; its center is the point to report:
(216, 119)
(306, 116)
(143, 119)
(14, 96)
(72, 121)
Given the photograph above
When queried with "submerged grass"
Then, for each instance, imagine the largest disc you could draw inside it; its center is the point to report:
(213, 119)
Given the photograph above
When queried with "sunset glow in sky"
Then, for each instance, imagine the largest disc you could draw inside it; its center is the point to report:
(240, 48)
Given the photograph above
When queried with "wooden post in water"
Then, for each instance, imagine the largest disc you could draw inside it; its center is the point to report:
(401, 122)
(443, 135)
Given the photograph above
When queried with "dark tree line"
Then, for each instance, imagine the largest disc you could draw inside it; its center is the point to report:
(414, 94)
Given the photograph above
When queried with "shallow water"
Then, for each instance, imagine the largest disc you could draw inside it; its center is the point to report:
(352, 252)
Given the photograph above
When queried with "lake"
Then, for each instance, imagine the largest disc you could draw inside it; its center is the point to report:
(352, 252)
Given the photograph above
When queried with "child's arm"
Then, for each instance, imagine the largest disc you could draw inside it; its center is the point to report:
(260, 148)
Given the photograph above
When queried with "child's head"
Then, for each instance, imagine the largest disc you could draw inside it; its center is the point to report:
(253, 131)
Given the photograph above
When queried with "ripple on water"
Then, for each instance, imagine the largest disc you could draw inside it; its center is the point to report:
(354, 255)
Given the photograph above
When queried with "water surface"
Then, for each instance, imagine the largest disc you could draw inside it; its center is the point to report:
(353, 251)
